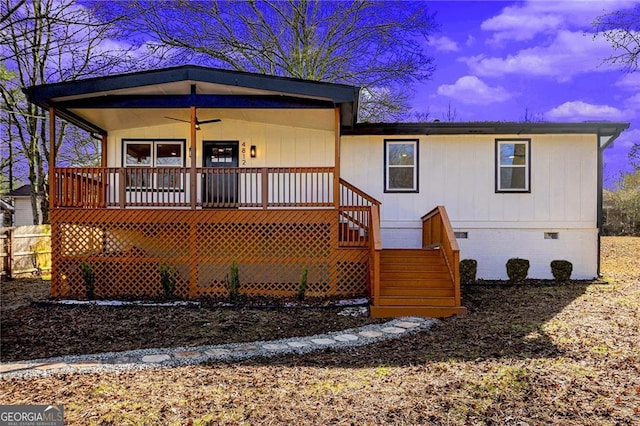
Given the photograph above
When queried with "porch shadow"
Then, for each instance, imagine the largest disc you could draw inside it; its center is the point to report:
(502, 322)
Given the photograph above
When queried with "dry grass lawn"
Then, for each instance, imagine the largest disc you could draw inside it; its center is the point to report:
(537, 354)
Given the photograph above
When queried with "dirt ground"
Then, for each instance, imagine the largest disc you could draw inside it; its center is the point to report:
(533, 354)
(27, 327)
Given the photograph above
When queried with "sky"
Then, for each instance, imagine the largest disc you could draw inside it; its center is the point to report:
(502, 60)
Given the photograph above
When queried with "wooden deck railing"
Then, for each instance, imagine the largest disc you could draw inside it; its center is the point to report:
(169, 187)
(436, 229)
(355, 215)
(375, 247)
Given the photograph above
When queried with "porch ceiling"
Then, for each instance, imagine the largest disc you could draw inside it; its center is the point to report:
(119, 119)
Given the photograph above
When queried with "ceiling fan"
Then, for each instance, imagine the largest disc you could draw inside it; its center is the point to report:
(198, 122)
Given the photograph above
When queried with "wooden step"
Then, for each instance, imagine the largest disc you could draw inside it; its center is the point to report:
(418, 301)
(413, 275)
(418, 311)
(409, 253)
(433, 261)
(417, 292)
(417, 283)
(418, 267)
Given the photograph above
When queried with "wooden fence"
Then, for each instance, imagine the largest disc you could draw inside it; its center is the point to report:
(25, 251)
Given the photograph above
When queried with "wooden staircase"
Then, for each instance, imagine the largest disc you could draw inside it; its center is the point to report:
(415, 282)
(419, 282)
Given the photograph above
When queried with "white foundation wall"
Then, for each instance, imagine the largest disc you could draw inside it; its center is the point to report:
(491, 248)
(458, 172)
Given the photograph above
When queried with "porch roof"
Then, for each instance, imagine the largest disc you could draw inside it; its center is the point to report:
(186, 86)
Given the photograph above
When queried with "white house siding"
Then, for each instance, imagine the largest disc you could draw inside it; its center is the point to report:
(458, 171)
(277, 145)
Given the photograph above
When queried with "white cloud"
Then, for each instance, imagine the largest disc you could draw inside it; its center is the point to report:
(471, 40)
(443, 44)
(471, 90)
(633, 101)
(629, 81)
(527, 20)
(628, 138)
(570, 53)
(580, 111)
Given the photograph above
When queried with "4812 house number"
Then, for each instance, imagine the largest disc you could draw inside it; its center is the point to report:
(243, 151)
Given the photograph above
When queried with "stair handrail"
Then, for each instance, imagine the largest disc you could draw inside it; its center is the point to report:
(375, 247)
(437, 229)
(355, 206)
(370, 200)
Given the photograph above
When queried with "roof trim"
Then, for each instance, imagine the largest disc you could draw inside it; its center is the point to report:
(337, 93)
(603, 128)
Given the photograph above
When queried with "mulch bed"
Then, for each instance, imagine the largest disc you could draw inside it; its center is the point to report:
(32, 329)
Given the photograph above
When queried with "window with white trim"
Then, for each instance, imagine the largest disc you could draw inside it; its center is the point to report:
(400, 165)
(159, 154)
(513, 171)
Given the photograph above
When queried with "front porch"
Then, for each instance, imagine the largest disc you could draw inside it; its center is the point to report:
(272, 221)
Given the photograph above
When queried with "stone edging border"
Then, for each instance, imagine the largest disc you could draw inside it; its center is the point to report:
(181, 356)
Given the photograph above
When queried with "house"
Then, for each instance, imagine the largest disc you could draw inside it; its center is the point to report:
(6, 213)
(23, 212)
(204, 167)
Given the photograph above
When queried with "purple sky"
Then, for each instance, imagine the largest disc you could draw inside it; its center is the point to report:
(496, 59)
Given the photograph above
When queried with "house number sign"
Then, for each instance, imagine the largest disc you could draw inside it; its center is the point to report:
(243, 151)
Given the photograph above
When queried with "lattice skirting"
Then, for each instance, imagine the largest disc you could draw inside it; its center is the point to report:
(125, 252)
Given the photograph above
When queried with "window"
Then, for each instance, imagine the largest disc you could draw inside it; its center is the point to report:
(512, 165)
(401, 165)
(162, 154)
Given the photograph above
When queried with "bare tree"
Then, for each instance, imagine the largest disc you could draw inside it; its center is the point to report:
(451, 114)
(45, 41)
(377, 45)
(622, 30)
(532, 117)
(634, 155)
(622, 206)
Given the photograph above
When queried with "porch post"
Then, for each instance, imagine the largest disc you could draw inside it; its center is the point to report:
(52, 158)
(104, 151)
(193, 235)
(192, 152)
(336, 169)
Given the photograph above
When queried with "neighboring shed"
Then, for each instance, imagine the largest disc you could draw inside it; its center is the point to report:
(23, 214)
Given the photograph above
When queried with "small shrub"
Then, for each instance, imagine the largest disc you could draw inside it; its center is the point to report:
(89, 277)
(517, 269)
(561, 270)
(168, 279)
(233, 282)
(468, 271)
(302, 287)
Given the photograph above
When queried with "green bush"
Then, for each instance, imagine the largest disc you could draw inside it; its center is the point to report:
(233, 282)
(517, 269)
(561, 270)
(302, 287)
(168, 279)
(89, 277)
(468, 270)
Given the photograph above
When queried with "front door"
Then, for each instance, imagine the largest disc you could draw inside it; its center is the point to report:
(220, 187)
